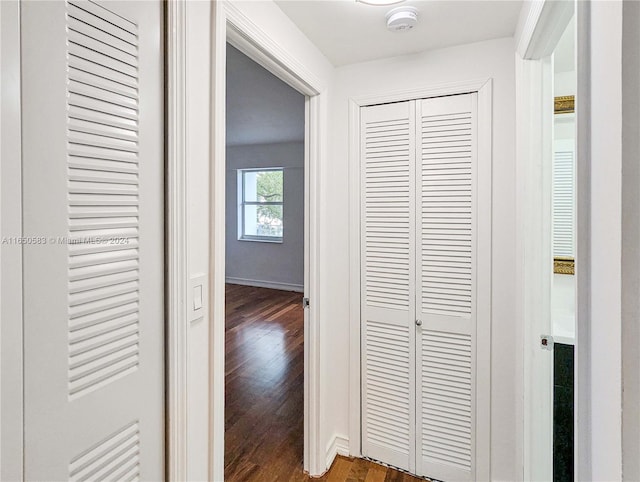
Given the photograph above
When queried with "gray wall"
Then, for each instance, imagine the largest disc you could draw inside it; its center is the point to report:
(278, 265)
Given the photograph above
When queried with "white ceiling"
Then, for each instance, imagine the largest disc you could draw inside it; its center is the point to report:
(348, 32)
(261, 109)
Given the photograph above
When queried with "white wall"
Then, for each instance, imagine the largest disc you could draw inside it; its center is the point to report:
(277, 265)
(564, 83)
(492, 59)
(563, 308)
(599, 336)
(565, 126)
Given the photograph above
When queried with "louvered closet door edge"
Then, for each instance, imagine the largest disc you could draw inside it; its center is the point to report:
(483, 283)
(446, 162)
(483, 307)
(387, 277)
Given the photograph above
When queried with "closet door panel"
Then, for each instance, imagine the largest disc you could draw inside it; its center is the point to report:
(388, 281)
(446, 260)
(93, 195)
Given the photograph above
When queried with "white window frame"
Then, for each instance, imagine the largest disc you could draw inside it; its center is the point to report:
(242, 203)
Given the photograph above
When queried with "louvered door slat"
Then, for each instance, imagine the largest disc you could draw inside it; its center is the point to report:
(446, 219)
(388, 303)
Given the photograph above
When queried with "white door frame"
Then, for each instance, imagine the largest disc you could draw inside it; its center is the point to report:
(540, 33)
(177, 254)
(484, 286)
(231, 25)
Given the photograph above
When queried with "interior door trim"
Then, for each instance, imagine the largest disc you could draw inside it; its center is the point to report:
(232, 25)
(176, 252)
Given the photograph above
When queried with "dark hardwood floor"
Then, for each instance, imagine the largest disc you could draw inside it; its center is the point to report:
(264, 393)
(264, 384)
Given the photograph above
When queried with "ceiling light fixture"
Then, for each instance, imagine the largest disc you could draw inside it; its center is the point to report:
(379, 3)
(402, 19)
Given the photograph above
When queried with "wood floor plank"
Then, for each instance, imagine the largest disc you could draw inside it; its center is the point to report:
(358, 471)
(339, 470)
(376, 473)
(264, 390)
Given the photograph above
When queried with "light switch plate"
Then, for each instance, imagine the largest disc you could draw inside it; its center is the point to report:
(197, 296)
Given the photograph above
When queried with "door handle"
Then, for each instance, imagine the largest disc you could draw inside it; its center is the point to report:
(546, 342)
(418, 322)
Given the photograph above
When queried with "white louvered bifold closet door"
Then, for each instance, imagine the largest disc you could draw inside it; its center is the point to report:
(388, 274)
(419, 185)
(446, 256)
(92, 106)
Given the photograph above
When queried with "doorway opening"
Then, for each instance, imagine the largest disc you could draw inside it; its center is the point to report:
(233, 27)
(264, 273)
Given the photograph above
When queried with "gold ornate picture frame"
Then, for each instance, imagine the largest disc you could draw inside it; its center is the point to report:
(564, 104)
(564, 266)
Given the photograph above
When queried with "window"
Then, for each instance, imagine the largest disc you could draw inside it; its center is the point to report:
(260, 200)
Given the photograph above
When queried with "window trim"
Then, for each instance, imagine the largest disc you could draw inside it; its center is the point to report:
(242, 203)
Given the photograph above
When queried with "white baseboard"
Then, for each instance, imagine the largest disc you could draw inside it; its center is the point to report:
(338, 446)
(275, 285)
